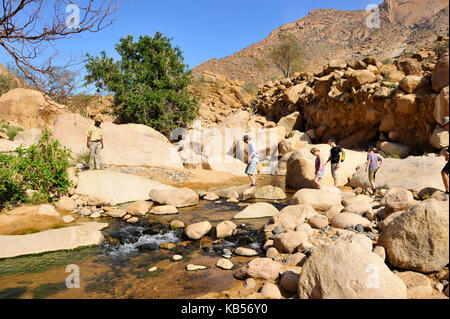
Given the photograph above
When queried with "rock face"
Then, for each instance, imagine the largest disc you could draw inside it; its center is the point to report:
(178, 197)
(407, 174)
(419, 239)
(258, 210)
(51, 240)
(345, 270)
(127, 145)
(29, 108)
(110, 188)
(301, 170)
(317, 199)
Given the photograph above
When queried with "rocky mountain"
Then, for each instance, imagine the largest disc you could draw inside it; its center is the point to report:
(325, 34)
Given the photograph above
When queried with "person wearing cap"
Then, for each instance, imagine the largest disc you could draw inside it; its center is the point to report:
(252, 159)
(319, 166)
(335, 159)
(446, 170)
(95, 142)
(372, 165)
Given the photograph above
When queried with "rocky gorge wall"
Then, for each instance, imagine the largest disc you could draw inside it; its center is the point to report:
(365, 102)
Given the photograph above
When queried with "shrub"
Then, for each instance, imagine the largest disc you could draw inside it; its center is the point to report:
(7, 83)
(441, 48)
(251, 88)
(42, 167)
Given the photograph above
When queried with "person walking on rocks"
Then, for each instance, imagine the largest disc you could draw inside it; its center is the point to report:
(320, 166)
(335, 158)
(373, 164)
(95, 143)
(446, 170)
(253, 159)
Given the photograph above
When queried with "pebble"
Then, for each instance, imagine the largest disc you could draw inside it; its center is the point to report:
(247, 252)
(153, 269)
(439, 287)
(68, 219)
(371, 236)
(132, 220)
(360, 228)
(177, 257)
(278, 230)
(167, 246)
(95, 215)
(250, 284)
(192, 267)
(334, 237)
(224, 264)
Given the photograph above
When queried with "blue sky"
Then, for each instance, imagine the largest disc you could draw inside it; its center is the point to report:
(203, 29)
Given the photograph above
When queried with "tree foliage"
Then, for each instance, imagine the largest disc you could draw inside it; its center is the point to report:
(149, 82)
(287, 56)
(42, 167)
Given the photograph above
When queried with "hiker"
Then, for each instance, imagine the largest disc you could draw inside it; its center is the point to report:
(320, 166)
(372, 166)
(336, 154)
(252, 159)
(95, 143)
(446, 170)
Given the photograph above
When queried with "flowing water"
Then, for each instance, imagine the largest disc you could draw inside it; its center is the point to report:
(119, 268)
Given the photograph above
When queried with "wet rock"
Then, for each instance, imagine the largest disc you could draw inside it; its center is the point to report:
(178, 197)
(176, 224)
(167, 246)
(164, 210)
(246, 252)
(211, 197)
(269, 192)
(192, 267)
(258, 210)
(224, 264)
(197, 230)
(132, 220)
(177, 257)
(68, 219)
(226, 229)
(116, 213)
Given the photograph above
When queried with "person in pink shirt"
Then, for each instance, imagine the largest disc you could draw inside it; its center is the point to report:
(320, 166)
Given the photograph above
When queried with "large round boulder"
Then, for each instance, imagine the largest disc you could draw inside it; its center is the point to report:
(419, 239)
(178, 197)
(347, 270)
(292, 216)
(300, 168)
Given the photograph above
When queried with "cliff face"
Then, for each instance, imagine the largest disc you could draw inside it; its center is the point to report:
(327, 34)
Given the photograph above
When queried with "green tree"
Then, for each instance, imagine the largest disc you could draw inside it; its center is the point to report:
(287, 56)
(150, 82)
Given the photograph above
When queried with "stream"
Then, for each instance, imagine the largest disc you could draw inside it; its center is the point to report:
(119, 267)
